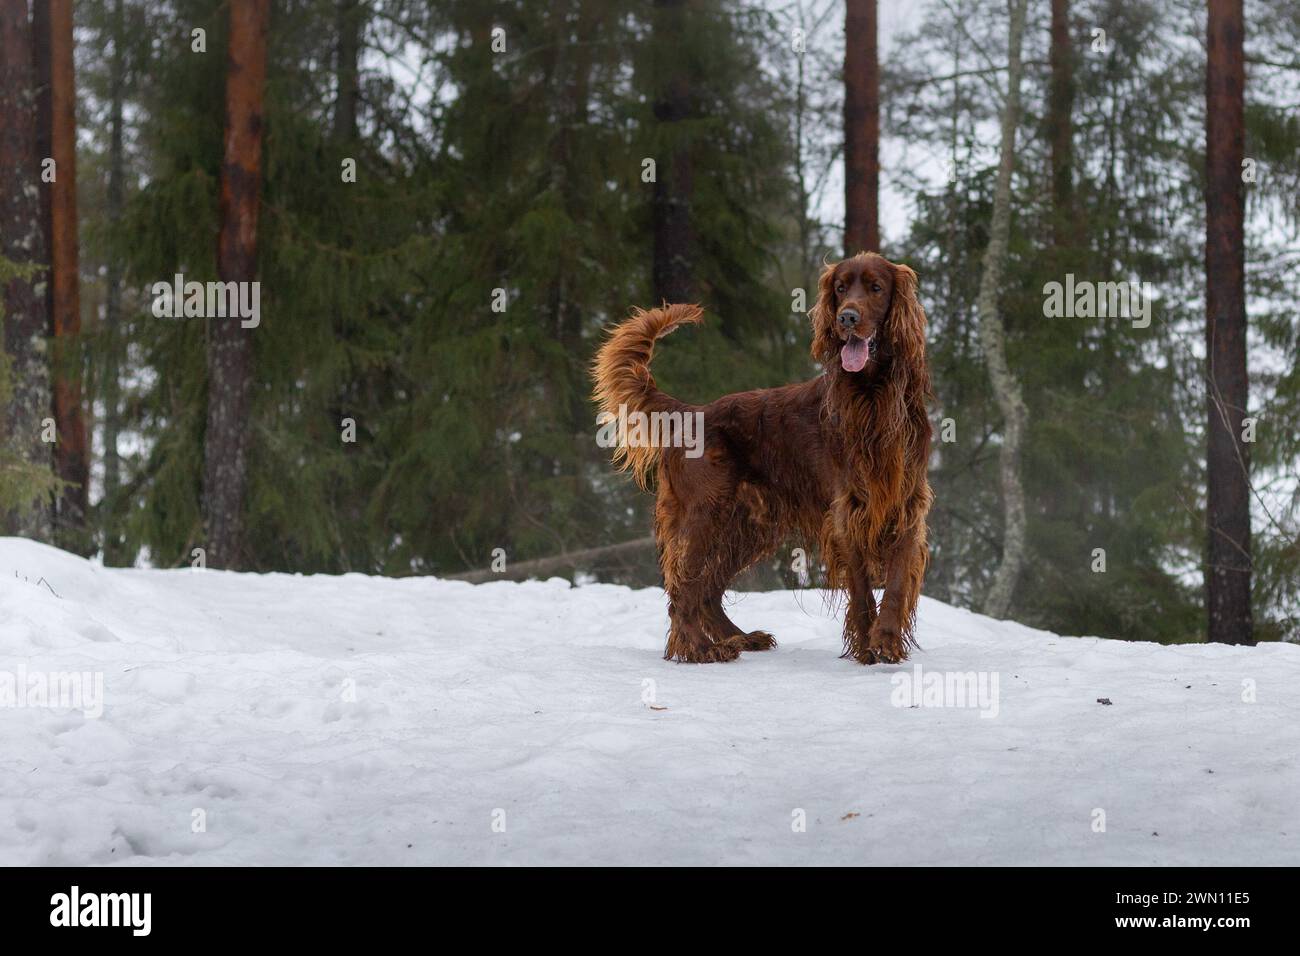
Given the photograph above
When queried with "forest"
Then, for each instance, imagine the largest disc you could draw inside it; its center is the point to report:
(314, 285)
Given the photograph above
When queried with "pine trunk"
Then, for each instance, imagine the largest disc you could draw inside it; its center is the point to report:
(1006, 388)
(861, 129)
(1060, 101)
(113, 300)
(570, 83)
(230, 345)
(1227, 513)
(351, 20)
(70, 452)
(22, 242)
(40, 38)
(671, 270)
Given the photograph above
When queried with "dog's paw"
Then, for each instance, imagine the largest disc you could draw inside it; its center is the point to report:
(885, 645)
(856, 649)
(723, 651)
(755, 641)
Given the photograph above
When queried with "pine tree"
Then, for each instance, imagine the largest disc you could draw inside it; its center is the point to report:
(110, 537)
(57, 133)
(1060, 120)
(25, 384)
(230, 344)
(674, 254)
(861, 129)
(1228, 493)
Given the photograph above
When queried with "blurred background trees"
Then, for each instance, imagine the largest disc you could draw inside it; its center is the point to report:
(456, 197)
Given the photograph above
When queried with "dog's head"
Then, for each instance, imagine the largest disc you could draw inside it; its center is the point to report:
(867, 318)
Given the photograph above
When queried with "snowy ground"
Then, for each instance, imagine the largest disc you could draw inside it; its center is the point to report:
(368, 720)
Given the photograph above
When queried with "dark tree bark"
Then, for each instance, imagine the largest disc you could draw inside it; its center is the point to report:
(230, 345)
(57, 123)
(113, 296)
(44, 146)
(1060, 129)
(861, 128)
(22, 242)
(570, 82)
(351, 21)
(671, 270)
(1227, 513)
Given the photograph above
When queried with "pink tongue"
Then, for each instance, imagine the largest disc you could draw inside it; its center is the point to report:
(853, 356)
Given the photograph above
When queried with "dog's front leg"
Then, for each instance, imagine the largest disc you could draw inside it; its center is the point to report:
(891, 634)
(860, 616)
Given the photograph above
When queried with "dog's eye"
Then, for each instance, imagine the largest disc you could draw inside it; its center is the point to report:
(839, 288)
(876, 287)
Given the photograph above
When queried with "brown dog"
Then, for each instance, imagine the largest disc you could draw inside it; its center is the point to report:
(839, 460)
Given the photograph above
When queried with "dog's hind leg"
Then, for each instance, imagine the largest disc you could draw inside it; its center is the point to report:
(707, 552)
(682, 562)
(745, 537)
(696, 629)
(724, 628)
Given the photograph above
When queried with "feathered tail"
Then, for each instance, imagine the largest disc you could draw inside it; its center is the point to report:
(621, 372)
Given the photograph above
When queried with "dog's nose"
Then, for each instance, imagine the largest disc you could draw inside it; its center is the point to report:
(849, 318)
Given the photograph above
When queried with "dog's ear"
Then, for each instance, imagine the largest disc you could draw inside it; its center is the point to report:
(825, 345)
(907, 321)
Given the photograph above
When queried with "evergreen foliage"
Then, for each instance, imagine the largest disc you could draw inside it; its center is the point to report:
(447, 302)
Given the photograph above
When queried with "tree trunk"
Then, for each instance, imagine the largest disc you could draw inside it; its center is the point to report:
(571, 85)
(671, 270)
(1227, 511)
(230, 345)
(56, 73)
(805, 219)
(1060, 130)
(40, 38)
(1006, 388)
(22, 242)
(861, 129)
(351, 19)
(113, 299)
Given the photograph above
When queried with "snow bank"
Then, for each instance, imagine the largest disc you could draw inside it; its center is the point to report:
(284, 719)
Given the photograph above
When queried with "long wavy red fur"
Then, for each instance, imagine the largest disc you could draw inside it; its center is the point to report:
(839, 461)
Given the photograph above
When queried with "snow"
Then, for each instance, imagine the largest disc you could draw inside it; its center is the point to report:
(365, 720)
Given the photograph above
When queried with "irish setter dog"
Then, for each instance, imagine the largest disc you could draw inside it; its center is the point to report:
(839, 460)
